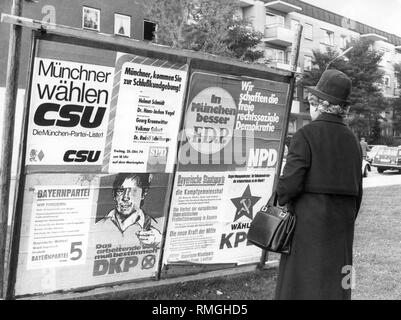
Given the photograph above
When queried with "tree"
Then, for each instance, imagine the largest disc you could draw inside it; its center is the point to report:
(242, 40)
(172, 18)
(361, 64)
(211, 26)
(397, 102)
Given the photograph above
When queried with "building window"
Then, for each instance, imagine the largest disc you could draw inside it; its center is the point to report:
(343, 42)
(274, 20)
(327, 37)
(387, 81)
(149, 30)
(90, 18)
(307, 63)
(274, 55)
(308, 31)
(122, 25)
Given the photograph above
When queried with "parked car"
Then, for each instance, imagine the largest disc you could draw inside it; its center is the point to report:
(387, 158)
(373, 149)
(365, 168)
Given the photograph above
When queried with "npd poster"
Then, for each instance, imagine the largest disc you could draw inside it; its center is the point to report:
(226, 168)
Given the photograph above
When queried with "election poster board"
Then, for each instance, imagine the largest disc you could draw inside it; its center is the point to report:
(74, 234)
(134, 160)
(226, 168)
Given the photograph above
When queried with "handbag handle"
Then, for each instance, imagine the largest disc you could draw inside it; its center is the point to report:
(273, 199)
(273, 202)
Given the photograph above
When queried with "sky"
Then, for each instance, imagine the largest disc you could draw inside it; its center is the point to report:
(381, 14)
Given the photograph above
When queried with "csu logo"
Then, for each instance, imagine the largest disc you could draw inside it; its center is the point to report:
(81, 156)
(69, 115)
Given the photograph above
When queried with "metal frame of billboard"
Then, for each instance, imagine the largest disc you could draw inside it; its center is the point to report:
(195, 60)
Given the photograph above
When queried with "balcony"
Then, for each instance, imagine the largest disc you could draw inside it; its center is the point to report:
(279, 34)
(246, 3)
(373, 37)
(282, 6)
(282, 64)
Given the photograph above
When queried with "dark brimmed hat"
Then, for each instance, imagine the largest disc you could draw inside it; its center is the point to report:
(333, 86)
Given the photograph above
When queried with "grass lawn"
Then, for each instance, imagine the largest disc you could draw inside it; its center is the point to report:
(258, 285)
(377, 245)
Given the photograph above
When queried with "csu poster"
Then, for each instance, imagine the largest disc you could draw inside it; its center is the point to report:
(69, 108)
(226, 168)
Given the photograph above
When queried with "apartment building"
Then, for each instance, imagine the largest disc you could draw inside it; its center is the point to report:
(278, 20)
(122, 18)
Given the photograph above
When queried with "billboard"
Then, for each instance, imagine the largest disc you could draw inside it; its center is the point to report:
(134, 161)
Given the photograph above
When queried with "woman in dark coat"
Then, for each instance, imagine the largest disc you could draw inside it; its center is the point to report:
(322, 185)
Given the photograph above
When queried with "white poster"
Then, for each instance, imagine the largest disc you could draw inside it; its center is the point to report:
(145, 118)
(211, 213)
(69, 109)
(59, 226)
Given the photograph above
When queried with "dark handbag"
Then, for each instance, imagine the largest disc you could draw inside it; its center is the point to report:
(272, 228)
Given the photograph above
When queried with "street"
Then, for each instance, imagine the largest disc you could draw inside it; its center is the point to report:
(387, 178)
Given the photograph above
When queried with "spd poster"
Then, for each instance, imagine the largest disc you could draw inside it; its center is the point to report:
(145, 115)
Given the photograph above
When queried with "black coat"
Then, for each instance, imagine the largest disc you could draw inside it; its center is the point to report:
(322, 184)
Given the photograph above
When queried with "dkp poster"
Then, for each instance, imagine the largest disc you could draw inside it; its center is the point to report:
(82, 230)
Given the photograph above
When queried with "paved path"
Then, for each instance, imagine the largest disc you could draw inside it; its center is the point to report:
(386, 178)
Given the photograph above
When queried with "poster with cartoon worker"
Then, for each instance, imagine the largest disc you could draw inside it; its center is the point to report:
(128, 227)
(129, 193)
